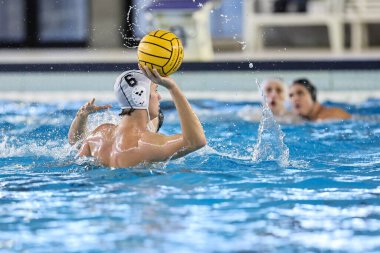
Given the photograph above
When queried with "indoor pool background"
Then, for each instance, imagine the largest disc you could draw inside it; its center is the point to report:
(325, 198)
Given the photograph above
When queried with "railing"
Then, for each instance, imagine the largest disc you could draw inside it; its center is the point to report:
(333, 14)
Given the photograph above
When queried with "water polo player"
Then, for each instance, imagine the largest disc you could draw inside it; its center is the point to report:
(303, 96)
(274, 94)
(132, 142)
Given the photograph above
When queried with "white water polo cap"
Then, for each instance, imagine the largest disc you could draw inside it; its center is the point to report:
(132, 90)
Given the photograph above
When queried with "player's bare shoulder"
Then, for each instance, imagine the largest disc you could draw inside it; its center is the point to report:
(333, 113)
(106, 129)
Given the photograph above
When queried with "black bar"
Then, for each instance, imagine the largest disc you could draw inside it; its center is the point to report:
(283, 65)
(31, 23)
(200, 66)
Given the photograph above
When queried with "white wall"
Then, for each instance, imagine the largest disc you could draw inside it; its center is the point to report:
(106, 19)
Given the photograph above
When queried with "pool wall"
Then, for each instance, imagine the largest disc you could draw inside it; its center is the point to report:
(348, 81)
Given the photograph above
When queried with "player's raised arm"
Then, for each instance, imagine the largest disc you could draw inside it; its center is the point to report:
(192, 131)
(78, 127)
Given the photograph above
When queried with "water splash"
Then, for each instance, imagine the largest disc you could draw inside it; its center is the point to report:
(100, 118)
(226, 19)
(133, 24)
(130, 26)
(270, 145)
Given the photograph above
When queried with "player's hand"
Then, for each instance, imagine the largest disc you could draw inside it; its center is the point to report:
(155, 77)
(90, 107)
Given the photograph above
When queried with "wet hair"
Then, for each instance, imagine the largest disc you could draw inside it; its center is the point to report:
(308, 86)
(278, 80)
(127, 111)
(161, 117)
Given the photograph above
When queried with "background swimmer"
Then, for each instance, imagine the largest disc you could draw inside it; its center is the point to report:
(303, 96)
(274, 91)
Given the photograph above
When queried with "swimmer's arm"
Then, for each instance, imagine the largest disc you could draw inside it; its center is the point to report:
(176, 146)
(161, 148)
(192, 130)
(78, 127)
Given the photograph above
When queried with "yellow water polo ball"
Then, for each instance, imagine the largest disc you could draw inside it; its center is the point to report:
(162, 50)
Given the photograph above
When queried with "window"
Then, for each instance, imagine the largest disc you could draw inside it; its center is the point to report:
(62, 21)
(12, 22)
(44, 23)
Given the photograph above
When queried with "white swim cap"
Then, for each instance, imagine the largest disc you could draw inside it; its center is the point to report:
(132, 90)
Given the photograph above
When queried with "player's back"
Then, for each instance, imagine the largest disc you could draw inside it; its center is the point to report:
(114, 146)
(99, 144)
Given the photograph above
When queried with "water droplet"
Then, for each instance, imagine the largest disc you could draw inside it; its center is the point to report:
(243, 44)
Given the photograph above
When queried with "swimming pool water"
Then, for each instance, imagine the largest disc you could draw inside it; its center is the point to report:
(215, 200)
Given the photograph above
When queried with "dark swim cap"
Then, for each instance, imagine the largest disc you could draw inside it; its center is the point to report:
(309, 86)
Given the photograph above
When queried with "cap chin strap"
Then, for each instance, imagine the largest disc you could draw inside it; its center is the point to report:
(150, 125)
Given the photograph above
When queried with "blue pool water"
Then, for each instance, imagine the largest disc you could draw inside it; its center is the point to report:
(325, 199)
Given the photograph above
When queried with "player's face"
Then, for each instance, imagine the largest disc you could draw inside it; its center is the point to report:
(301, 100)
(154, 102)
(275, 94)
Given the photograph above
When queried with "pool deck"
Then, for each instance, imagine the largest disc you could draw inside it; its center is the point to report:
(129, 55)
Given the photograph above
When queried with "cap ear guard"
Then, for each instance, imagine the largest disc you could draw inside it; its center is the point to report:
(138, 95)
